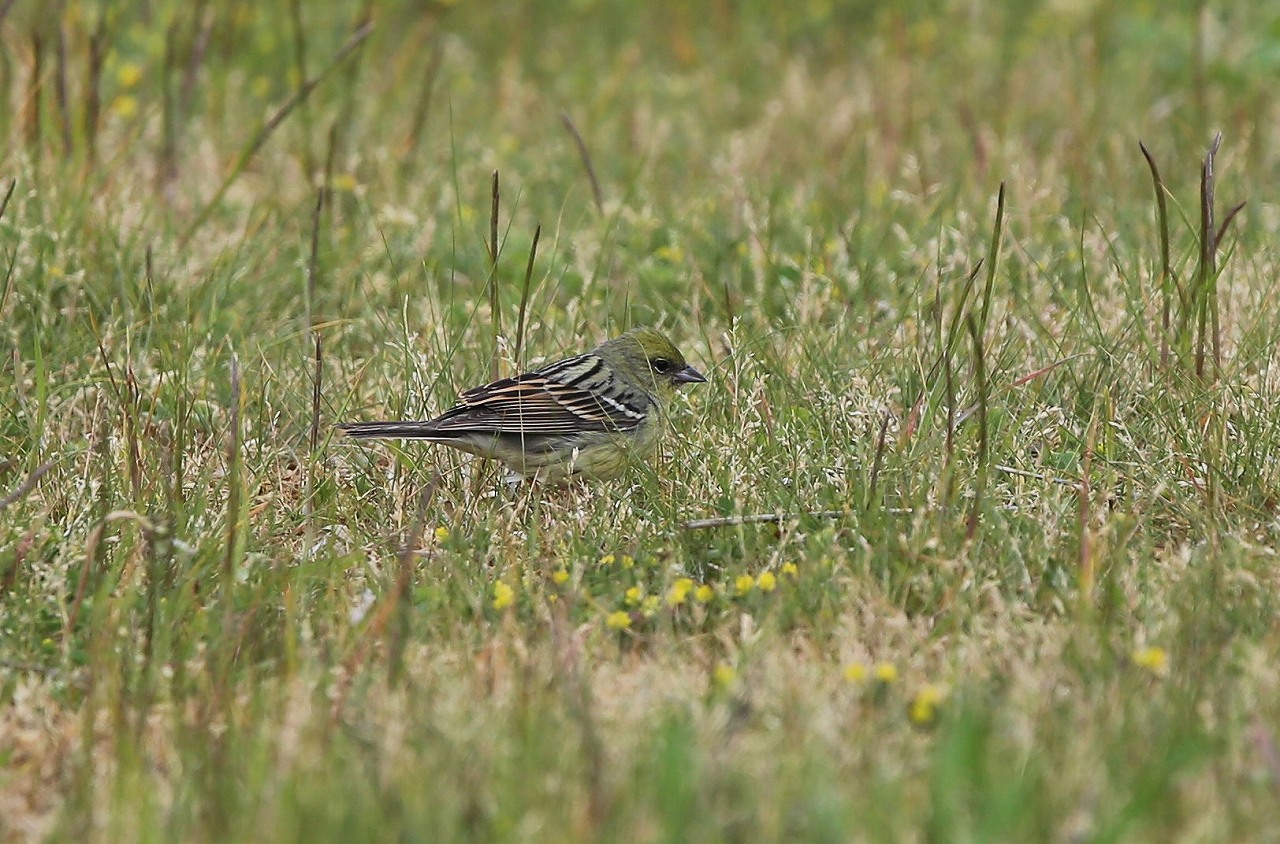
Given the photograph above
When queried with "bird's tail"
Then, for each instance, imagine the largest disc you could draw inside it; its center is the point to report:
(390, 430)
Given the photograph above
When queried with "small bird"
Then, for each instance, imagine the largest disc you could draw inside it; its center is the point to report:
(584, 416)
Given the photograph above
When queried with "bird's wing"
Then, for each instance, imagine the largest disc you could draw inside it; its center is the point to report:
(566, 397)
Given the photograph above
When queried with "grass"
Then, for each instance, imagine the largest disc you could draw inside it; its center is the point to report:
(1024, 585)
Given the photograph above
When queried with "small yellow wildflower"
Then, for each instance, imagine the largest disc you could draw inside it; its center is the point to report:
(886, 672)
(503, 595)
(1155, 660)
(618, 620)
(856, 672)
(724, 674)
(633, 595)
(924, 706)
(128, 75)
(344, 182)
(607, 560)
(744, 584)
(670, 254)
(679, 591)
(649, 606)
(125, 106)
(704, 594)
(559, 576)
(628, 561)
(442, 533)
(767, 581)
(790, 570)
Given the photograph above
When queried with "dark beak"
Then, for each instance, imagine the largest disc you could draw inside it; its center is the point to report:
(689, 375)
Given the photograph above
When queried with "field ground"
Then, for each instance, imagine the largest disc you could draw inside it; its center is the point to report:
(1028, 587)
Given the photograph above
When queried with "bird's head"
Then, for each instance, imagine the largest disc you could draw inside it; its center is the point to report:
(647, 357)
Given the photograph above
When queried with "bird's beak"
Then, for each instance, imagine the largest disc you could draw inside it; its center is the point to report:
(689, 375)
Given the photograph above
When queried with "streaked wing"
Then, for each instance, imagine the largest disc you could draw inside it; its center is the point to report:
(576, 395)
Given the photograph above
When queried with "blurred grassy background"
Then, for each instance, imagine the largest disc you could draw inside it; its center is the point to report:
(1054, 622)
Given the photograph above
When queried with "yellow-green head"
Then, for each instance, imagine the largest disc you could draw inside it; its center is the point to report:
(648, 360)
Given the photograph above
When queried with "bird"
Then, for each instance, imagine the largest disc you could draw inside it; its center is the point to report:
(586, 416)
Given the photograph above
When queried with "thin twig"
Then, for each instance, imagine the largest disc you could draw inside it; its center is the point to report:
(300, 66)
(495, 317)
(32, 112)
(30, 667)
(878, 462)
(1023, 473)
(966, 414)
(586, 160)
(524, 296)
(980, 375)
(777, 518)
(93, 89)
(8, 195)
(1207, 267)
(1166, 267)
(7, 290)
(993, 260)
(60, 94)
(26, 486)
(1031, 376)
(315, 394)
(313, 260)
(272, 123)
(1226, 222)
(761, 518)
(423, 107)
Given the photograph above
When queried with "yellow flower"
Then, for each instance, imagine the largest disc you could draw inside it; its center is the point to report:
(344, 182)
(607, 560)
(744, 584)
(670, 254)
(1155, 660)
(442, 533)
(503, 595)
(559, 576)
(649, 606)
(628, 561)
(790, 570)
(633, 595)
(855, 672)
(128, 75)
(924, 706)
(618, 620)
(125, 106)
(679, 591)
(724, 674)
(767, 582)
(704, 594)
(886, 672)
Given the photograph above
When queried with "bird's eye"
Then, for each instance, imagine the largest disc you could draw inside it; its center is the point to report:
(661, 365)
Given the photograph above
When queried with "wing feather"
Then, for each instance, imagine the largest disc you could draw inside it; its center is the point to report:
(576, 395)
